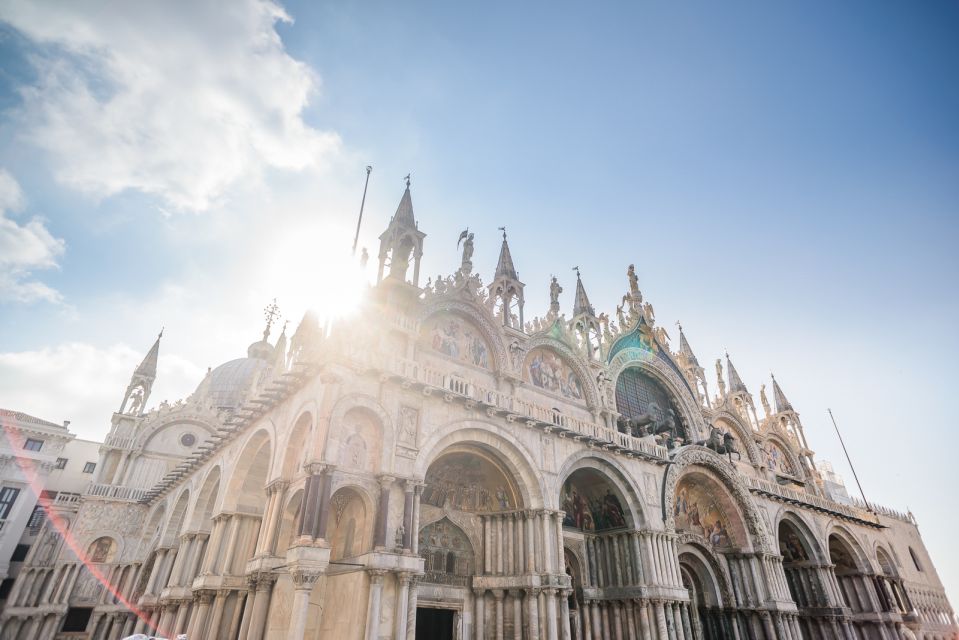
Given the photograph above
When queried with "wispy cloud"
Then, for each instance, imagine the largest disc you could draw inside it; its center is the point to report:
(177, 102)
(24, 249)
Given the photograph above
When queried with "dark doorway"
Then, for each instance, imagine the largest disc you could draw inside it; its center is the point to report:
(434, 624)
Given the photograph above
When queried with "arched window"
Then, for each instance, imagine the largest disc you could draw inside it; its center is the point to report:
(915, 559)
(640, 397)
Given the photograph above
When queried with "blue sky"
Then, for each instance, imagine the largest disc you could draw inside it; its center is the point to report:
(785, 176)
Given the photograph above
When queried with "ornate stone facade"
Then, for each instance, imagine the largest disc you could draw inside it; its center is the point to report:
(439, 467)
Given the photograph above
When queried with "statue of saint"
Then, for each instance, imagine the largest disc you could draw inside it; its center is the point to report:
(634, 292)
(764, 400)
(554, 291)
(719, 377)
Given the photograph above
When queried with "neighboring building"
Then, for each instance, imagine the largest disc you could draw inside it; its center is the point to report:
(41, 467)
(437, 467)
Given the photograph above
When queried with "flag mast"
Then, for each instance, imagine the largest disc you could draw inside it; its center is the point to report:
(356, 238)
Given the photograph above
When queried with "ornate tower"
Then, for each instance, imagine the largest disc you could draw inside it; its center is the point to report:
(690, 365)
(739, 397)
(787, 419)
(507, 290)
(585, 324)
(401, 241)
(141, 382)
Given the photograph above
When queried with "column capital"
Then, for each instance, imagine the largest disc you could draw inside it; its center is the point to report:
(315, 467)
(516, 593)
(479, 592)
(386, 480)
(304, 579)
(498, 594)
(376, 575)
(404, 577)
(277, 486)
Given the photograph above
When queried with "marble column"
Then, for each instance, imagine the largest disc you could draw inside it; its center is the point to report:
(261, 606)
(180, 625)
(402, 600)
(324, 488)
(660, 612)
(408, 486)
(498, 595)
(532, 613)
(216, 618)
(597, 618)
(199, 619)
(479, 622)
(411, 610)
(303, 582)
(552, 632)
(383, 511)
(373, 610)
(530, 539)
(617, 621)
(417, 492)
(517, 597)
(645, 625)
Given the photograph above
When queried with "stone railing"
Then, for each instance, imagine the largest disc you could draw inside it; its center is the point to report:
(470, 391)
(883, 511)
(810, 500)
(114, 491)
(118, 442)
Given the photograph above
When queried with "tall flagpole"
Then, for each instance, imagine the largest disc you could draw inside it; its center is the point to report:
(356, 238)
(854, 475)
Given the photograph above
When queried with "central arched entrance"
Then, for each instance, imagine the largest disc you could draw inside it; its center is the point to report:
(473, 522)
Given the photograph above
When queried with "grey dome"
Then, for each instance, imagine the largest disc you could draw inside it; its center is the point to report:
(228, 385)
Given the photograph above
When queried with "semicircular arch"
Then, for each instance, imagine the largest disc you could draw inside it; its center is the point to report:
(659, 371)
(695, 457)
(496, 441)
(609, 467)
(479, 317)
(571, 359)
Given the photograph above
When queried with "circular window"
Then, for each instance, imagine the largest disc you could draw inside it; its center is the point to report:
(188, 439)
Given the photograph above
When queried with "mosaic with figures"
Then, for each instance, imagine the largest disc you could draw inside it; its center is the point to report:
(548, 371)
(777, 460)
(467, 482)
(590, 504)
(458, 340)
(697, 511)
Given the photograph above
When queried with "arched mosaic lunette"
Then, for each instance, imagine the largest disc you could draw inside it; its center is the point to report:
(632, 357)
(692, 456)
(573, 360)
(480, 318)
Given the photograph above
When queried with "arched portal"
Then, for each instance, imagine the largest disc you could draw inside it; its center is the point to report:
(857, 588)
(447, 552)
(350, 530)
(700, 577)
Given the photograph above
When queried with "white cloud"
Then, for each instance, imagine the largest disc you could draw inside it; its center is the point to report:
(24, 248)
(83, 383)
(181, 100)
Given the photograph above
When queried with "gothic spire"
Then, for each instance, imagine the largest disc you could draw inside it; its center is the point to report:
(581, 304)
(782, 404)
(148, 368)
(684, 347)
(735, 382)
(504, 266)
(404, 212)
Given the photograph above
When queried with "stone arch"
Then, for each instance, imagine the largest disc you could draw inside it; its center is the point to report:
(350, 527)
(810, 544)
(691, 457)
(153, 528)
(571, 359)
(246, 489)
(743, 434)
(296, 452)
(630, 496)
(495, 440)
(174, 525)
(479, 316)
(103, 550)
(289, 522)
(674, 384)
(457, 337)
(847, 542)
(787, 448)
(448, 553)
(338, 432)
(700, 569)
(203, 507)
(143, 438)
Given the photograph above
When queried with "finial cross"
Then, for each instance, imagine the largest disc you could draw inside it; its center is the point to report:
(576, 269)
(271, 313)
(407, 178)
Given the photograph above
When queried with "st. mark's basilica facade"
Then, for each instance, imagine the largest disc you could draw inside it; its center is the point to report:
(439, 466)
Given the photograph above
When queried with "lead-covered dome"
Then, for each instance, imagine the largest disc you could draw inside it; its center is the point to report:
(230, 383)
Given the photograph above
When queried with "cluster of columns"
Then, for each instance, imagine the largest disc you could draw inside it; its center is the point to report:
(632, 558)
(810, 585)
(635, 619)
(536, 613)
(522, 542)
